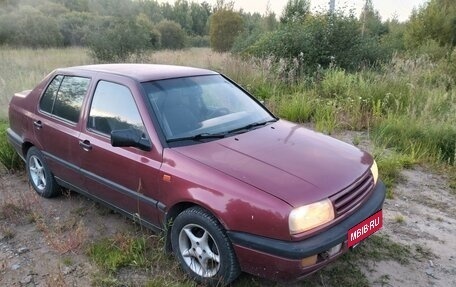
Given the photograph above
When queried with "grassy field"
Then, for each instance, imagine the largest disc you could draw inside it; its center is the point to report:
(22, 69)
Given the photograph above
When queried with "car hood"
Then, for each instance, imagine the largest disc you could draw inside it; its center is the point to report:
(285, 159)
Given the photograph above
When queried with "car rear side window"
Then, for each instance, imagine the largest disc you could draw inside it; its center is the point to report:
(113, 108)
(47, 101)
(64, 96)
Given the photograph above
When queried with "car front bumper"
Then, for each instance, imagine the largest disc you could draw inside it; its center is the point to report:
(285, 260)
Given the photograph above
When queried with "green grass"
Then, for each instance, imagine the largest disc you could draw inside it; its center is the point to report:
(390, 166)
(9, 159)
(120, 251)
(141, 252)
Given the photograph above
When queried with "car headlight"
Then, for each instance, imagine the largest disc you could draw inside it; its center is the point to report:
(309, 216)
(374, 170)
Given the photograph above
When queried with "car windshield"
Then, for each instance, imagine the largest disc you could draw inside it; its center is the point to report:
(203, 107)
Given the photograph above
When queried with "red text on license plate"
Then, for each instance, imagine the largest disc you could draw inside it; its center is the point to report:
(365, 228)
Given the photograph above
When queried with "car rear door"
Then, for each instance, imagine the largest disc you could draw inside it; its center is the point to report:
(124, 177)
(57, 125)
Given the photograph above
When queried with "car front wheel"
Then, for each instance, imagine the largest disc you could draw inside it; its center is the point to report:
(203, 248)
(40, 175)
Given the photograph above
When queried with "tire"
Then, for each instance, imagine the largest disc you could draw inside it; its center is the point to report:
(40, 175)
(203, 249)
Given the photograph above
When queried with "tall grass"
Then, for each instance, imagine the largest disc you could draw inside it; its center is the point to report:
(22, 69)
(9, 159)
(409, 104)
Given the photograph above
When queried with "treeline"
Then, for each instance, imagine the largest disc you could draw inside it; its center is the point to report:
(298, 41)
(112, 28)
(305, 42)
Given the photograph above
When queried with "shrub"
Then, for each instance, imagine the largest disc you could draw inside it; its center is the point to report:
(74, 27)
(198, 41)
(172, 35)
(29, 27)
(322, 41)
(116, 39)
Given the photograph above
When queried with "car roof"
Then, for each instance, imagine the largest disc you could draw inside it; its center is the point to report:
(142, 72)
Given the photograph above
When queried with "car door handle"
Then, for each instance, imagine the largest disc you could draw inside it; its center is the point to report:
(85, 145)
(38, 124)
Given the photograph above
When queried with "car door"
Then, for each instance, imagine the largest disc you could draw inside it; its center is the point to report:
(124, 177)
(57, 125)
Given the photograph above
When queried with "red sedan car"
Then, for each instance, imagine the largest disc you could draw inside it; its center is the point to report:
(190, 153)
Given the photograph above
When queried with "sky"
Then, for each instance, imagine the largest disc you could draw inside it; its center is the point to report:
(387, 8)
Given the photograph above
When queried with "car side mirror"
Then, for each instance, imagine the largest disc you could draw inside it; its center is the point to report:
(130, 138)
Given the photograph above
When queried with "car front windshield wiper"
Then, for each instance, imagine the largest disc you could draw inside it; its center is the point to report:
(198, 137)
(251, 126)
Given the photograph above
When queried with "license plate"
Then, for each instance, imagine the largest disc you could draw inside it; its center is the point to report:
(365, 228)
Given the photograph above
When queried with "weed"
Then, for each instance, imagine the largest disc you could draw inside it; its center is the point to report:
(325, 118)
(336, 274)
(452, 180)
(356, 140)
(122, 250)
(67, 261)
(16, 206)
(298, 107)
(8, 156)
(105, 280)
(56, 279)
(399, 219)
(389, 167)
(7, 232)
(381, 247)
(423, 253)
(383, 280)
(62, 239)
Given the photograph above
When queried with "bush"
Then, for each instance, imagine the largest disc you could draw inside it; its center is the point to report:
(226, 25)
(8, 156)
(116, 39)
(29, 27)
(321, 41)
(172, 35)
(198, 41)
(74, 27)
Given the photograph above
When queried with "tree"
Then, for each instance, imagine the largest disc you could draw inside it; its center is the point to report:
(172, 35)
(115, 39)
(295, 11)
(200, 16)
(371, 21)
(74, 27)
(182, 15)
(225, 26)
(29, 27)
(434, 21)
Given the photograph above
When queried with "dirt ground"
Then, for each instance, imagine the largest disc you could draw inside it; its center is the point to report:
(41, 243)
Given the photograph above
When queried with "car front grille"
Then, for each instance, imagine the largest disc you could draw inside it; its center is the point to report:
(349, 198)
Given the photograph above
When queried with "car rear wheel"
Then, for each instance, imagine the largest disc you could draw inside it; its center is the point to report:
(39, 174)
(203, 248)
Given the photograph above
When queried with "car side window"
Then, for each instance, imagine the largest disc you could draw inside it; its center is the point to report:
(64, 96)
(113, 108)
(47, 101)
